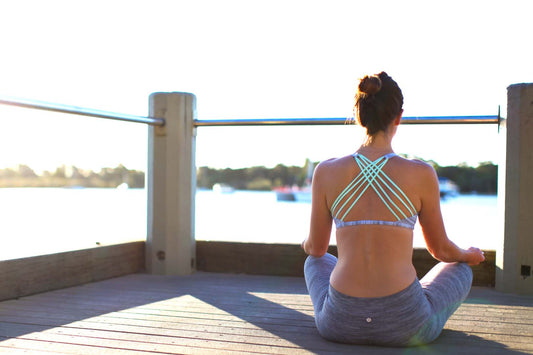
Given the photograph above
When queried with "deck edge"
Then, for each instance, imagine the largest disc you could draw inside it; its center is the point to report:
(288, 260)
(26, 276)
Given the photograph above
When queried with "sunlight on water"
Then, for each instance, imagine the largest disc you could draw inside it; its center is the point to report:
(244, 216)
(38, 221)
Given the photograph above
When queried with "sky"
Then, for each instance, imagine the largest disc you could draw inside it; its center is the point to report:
(255, 59)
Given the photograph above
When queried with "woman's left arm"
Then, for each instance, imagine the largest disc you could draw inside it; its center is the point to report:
(320, 229)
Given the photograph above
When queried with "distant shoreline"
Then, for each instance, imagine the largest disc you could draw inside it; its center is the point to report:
(481, 180)
(24, 176)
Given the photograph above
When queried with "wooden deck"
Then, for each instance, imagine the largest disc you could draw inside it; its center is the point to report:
(229, 313)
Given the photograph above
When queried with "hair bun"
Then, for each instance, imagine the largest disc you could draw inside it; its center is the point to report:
(370, 85)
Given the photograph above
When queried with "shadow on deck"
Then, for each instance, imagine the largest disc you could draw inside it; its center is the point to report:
(229, 313)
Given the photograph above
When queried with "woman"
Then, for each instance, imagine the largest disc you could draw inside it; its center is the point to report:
(371, 294)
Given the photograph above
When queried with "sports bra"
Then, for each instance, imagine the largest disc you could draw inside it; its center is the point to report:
(391, 195)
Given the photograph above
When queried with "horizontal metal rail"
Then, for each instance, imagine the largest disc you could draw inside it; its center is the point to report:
(47, 106)
(341, 121)
(41, 105)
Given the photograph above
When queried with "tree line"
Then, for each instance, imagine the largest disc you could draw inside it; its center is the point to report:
(254, 178)
(481, 179)
(71, 176)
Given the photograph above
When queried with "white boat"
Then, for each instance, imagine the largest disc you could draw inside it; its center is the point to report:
(223, 188)
(447, 187)
(294, 194)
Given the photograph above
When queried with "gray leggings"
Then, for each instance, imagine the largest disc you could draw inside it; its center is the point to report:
(413, 316)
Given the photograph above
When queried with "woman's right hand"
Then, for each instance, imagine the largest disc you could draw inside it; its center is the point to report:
(474, 256)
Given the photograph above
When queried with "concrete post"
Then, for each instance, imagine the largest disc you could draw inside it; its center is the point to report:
(514, 258)
(171, 184)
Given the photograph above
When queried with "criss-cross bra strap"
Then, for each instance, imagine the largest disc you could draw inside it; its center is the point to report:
(356, 186)
(392, 187)
(372, 175)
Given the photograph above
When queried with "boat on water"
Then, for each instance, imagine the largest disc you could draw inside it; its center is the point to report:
(295, 193)
(447, 187)
(223, 188)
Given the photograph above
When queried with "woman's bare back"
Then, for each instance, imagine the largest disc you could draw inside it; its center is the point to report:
(374, 260)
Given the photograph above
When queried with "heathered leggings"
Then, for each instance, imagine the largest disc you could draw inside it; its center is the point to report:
(413, 316)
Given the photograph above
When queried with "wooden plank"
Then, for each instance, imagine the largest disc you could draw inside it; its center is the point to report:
(288, 260)
(157, 326)
(181, 315)
(71, 345)
(161, 335)
(196, 298)
(228, 313)
(150, 325)
(26, 276)
(163, 341)
(21, 349)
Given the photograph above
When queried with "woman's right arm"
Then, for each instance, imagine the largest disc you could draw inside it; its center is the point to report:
(438, 243)
(316, 244)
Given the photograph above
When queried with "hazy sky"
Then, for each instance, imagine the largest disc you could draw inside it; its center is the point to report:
(255, 59)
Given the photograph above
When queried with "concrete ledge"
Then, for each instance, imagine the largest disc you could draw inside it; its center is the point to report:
(288, 260)
(26, 276)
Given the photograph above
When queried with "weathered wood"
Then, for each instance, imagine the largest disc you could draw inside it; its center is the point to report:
(171, 182)
(26, 276)
(227, 313)
(288, 260)
(515, 195)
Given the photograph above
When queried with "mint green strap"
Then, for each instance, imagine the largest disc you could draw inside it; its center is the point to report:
(385, 198)
(355, 185)
(391, 186)
(373, 175)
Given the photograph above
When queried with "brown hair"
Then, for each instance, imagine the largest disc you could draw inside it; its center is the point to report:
(378, 102)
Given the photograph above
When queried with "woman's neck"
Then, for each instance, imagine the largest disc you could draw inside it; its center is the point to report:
(380, 143)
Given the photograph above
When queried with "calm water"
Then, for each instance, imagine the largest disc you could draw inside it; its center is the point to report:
(470, 220)
(47, 220)
(38, 221)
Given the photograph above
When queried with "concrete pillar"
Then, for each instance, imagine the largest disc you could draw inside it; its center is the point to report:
(514, 258)
(171, 184)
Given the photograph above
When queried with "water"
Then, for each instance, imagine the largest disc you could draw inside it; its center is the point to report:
(36, 221)
(242, 216)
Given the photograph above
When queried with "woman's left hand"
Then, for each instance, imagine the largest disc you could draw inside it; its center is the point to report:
(303, 244)
(474, 256)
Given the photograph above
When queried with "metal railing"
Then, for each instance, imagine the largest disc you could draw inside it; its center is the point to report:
(343, 120)
(154, 121)
(170, 247)
(170, 242)
(80, 111)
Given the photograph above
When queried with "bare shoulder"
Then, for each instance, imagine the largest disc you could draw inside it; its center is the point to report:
(333, 166)
(415, 175)
(419, 167)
